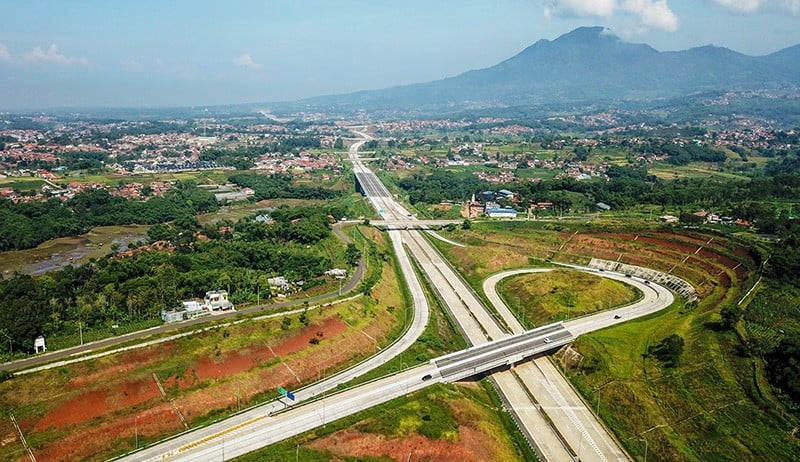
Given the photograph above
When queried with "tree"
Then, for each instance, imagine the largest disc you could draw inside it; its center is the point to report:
(668, 350)
(731, 314)
(352, 254)
(783, 367)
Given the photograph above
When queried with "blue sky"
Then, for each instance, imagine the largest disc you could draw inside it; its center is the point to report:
(167, 53)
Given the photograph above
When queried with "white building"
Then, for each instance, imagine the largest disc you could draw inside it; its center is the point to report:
(337, 273)
(187, 310)
(39, 345)
(501, 213)
(217, 300)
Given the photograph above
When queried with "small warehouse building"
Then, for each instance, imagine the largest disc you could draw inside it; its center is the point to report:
(500, 212)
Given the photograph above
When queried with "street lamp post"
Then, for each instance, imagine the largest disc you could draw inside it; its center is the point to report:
(645, 448)
(597, 390)
(136, 430)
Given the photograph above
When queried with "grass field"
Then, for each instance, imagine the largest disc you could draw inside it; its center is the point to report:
(544, 298)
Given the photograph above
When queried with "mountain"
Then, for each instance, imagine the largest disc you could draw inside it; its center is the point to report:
(587, 65)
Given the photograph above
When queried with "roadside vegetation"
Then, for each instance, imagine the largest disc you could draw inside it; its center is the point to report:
(105, 405)
(444, 422)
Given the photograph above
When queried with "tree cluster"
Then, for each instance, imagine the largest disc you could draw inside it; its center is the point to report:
(274, 186)
(117, 289)
(25, 225)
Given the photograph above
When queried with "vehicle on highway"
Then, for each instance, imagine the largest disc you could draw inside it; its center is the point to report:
(426, 377)
(628, 275)
(547, 340)
(616, 316)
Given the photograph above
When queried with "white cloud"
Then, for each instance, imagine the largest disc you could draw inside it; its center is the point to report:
(5, 55)
(581, 8)
(246, 61)
(653, 13)
(742, 6)
(752, 6)
(792, 6)
(53, 56)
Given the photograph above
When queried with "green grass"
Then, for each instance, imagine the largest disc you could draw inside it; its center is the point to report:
(704, 409)
(435, 413)
(22, 183)
(548, 297)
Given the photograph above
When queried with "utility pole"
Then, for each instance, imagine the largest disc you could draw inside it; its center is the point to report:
(80, 330)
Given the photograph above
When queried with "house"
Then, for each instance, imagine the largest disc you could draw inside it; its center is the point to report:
(668, 218)
(603, 206)
(217, 300)
(505, 193)
(264, 218)
(279, 282)
(188, 310)
(337, 273)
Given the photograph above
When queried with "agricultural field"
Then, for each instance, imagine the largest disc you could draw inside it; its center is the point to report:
(713, 404)
(105, 406)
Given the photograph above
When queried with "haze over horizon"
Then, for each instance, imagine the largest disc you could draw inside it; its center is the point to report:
(98, 54)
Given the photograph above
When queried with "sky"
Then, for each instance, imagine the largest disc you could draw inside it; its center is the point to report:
(145, 53)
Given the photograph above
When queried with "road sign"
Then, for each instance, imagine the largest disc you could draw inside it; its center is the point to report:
(290, 395)
(282, 391)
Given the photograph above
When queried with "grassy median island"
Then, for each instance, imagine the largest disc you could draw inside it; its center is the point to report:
(702, 400)
(543, 298)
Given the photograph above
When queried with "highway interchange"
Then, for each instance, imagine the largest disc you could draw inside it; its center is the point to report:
(547, 410)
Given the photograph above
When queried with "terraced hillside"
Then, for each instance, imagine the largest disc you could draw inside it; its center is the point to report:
(711, 402)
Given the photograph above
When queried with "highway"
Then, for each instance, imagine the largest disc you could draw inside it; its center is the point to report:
(535, 394)
(533, 391)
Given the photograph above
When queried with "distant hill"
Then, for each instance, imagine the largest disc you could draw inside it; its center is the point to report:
(587, 65)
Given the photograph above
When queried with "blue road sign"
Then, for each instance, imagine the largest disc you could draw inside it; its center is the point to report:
(290, 395)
